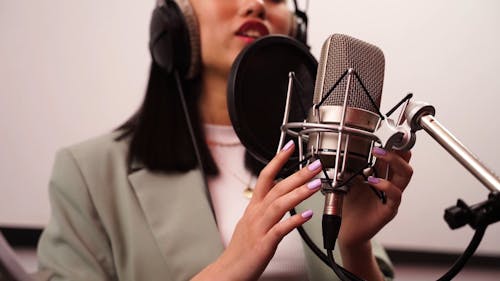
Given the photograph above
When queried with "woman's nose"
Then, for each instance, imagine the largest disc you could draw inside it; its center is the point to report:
(254, 8)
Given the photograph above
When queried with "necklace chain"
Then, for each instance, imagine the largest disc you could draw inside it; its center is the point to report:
(248, 188)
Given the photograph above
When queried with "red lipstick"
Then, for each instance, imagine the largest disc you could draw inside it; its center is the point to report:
(251, 30)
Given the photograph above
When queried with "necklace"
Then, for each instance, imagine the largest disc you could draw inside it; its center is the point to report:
(248, 184)
(248, 191)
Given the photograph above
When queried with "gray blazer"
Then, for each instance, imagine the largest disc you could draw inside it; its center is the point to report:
(108, 223)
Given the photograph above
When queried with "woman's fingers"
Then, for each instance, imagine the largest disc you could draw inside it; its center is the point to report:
(400, 170)
(276, 209)
(297, 179)
(279, 230)
(406, 155)
(269, 173)
(399, 177)
(393, 193)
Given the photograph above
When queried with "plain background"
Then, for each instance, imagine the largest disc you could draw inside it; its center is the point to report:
(70, 70)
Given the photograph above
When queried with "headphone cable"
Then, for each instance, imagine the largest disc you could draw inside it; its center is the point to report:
(193, 139)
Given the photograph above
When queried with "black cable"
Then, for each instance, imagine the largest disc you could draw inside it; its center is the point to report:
(462, 260)
(316, 250)
(336, 268)
(329, 260)
(342, 272)
(193, 139)
(380, 194)
(369, 96)
(407, 97)
(288, 171)
(362, 86)
(331, 89)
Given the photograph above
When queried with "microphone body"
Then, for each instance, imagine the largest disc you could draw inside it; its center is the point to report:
(347, 95)
(344, 122)
(346, 98)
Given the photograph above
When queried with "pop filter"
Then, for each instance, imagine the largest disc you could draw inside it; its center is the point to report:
(257, 91)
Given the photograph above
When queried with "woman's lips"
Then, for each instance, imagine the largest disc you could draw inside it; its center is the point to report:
(252, 30)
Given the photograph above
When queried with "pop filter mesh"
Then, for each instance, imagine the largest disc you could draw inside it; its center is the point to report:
(257, 92)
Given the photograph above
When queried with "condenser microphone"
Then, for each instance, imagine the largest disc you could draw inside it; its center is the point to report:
(346, 98)
(347, 95)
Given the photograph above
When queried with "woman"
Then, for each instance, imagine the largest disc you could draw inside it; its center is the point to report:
(132, 205)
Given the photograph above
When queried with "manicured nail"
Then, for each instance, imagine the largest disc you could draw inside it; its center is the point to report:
(373, 180)
(307, 214)
(314, 165)
(287, 146)
(314, 184)
(379, 151)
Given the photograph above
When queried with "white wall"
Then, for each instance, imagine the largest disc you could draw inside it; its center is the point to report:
(74, 69)
(446, 53)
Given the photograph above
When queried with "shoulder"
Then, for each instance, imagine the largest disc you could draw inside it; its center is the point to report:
(100, 156)
(98, 150)
(101, 147)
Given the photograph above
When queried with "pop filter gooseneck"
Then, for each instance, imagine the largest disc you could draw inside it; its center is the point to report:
(257, 91)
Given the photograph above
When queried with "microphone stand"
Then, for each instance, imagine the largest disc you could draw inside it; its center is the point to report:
(419, 116)
(479, 216)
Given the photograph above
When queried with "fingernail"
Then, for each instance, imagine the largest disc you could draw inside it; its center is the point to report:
(379, 151)
(314, 165)
(373, 180)
(288, 145)
(307, 214)
(314, 184)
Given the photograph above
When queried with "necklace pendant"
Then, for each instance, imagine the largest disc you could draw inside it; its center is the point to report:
(248, 192)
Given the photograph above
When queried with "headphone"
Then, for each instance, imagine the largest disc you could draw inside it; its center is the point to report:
(174, 41)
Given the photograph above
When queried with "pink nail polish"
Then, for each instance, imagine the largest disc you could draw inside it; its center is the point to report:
(314, 165)
(373, 180)
(307, 214)
(314, 184)
(379, 151)
(288, 145)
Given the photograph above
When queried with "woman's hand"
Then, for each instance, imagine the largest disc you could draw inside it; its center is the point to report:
(363, 213)
(261, 228)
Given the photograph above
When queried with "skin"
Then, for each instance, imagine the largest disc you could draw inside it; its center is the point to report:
(218, 21)
(257, 236)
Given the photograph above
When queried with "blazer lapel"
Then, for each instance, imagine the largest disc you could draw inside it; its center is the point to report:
(178, 212)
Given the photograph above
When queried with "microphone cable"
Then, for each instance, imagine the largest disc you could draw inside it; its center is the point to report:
(328, 259)
(469, 251)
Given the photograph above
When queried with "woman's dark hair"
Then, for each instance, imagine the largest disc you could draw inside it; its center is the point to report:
(158, 131)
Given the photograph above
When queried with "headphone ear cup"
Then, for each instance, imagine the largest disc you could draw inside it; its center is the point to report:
(169, 39)
(300, 21)
(301, 32)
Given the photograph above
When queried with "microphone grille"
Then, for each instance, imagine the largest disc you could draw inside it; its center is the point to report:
(339, 53)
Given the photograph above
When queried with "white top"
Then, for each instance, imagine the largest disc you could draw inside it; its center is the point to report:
(226, 191)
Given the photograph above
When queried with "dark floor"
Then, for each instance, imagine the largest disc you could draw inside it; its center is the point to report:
(407, 271)
(422, 273)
